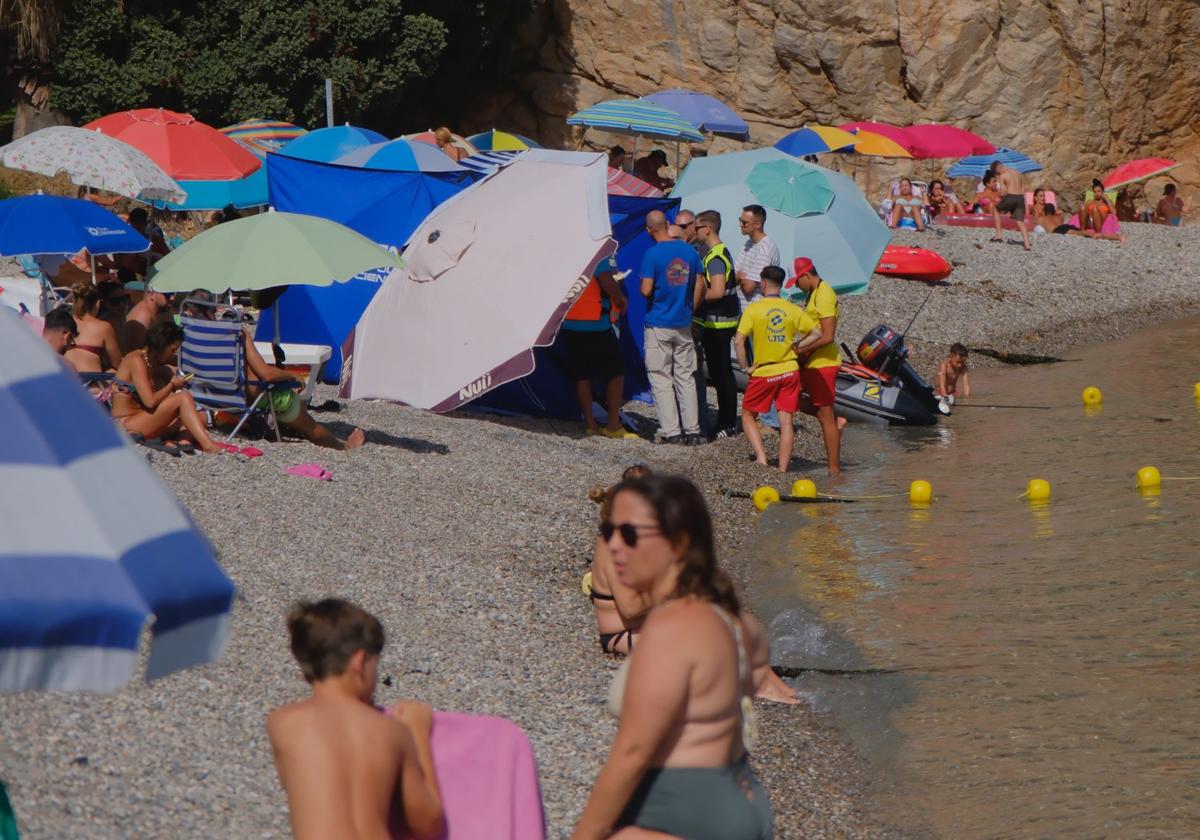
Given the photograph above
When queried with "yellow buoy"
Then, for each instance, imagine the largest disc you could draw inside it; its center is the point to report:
(764, 497)
(920, 492)
(1148, 477)
(1196, 390)
(1038, 490)
(1091, 395)
(804, 488)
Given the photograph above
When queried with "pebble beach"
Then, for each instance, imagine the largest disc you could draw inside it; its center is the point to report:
(468, 535)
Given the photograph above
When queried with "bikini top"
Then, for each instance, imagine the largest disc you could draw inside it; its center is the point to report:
(749, 721)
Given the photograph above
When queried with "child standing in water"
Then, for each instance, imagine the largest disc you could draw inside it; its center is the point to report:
(952, 375)
(347, 769)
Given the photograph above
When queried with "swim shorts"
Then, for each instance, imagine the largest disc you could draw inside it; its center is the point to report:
(783, 390)
(593, 354)
(820, 384)
(907, 223)
(1013, 203)
(286, 405)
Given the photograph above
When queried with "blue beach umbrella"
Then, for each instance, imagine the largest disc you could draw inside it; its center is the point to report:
(815, 140)
(400, 155)
(976, 165)
(845, 241)
(703, 111)
(328, 144)
(637, 117)
(50, 224)
(94, 544)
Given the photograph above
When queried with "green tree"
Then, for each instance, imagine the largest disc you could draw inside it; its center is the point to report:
(227, 60)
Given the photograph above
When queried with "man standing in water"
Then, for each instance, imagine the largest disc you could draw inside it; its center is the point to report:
(821, 361)
(1013, 190)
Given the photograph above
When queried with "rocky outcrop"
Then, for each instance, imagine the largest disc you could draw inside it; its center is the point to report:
(1080, 85)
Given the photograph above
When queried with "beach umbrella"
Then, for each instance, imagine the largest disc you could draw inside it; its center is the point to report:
(932, 141)
(976, 165)
(456, 140)
(706, 113)
(621, 182)
(437, 335)
(790, 187)
(1137, 170)
(326, 145)
(845, 241)
(870, 144)
(185, 148)
(262, 136)
(268, 250)
(50, 224)
(400, 156)
(815, 140)
(251, 191)
(637, 118)
(895, 133)
(502, 141)
(485, 163)
(94, 544)
(91, 159)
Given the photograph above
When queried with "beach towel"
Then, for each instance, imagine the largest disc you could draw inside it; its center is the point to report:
(1110, 227)
(488, 778)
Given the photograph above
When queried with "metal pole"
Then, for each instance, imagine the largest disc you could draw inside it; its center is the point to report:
(329, 103)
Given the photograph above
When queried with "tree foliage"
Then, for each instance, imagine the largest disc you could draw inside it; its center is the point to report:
(228, 60)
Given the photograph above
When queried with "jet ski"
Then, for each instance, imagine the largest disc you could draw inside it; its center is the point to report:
(882, 387)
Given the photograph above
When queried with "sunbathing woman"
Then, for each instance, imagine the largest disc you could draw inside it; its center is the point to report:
(161, 404)
(942, 202)
(679, 762)
(96, 347)
(1096, 210)
(906, 208)
(619, 609)
(1045, 217)
(989, 195)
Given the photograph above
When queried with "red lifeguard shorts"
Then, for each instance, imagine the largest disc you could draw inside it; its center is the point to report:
(783, 390)
(820, 384)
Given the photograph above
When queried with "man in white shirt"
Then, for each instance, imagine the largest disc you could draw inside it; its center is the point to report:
(757, 253)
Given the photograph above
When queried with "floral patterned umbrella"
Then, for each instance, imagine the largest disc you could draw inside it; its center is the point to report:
(92, 159)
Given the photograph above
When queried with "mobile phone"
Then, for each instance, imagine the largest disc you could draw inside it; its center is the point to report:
(187, 376)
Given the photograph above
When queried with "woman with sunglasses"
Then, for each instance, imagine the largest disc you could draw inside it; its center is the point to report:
(619, 609)
(678, 764)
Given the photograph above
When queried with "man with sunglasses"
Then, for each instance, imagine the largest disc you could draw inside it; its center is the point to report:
(758, 252)
(716, 318)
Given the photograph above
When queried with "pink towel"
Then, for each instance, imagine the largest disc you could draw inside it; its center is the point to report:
(488, 778)
(1111, 225)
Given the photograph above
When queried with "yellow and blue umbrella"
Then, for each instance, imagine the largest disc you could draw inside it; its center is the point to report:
(501, 141)
(816, 140)
(845, 240)
(637, 118)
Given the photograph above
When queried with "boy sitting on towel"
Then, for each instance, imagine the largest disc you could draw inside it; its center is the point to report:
(348, 770)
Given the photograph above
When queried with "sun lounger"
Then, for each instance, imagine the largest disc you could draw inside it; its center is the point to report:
(488, 778)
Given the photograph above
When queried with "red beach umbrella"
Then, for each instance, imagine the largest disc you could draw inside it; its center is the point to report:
(186, 149)
(895, 133)
(1137, 170)
(946, 141)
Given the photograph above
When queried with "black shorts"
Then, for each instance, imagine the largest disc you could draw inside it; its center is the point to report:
(1013, 203)
(593, 355)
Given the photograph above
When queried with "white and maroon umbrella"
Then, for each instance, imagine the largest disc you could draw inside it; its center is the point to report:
(487, 277)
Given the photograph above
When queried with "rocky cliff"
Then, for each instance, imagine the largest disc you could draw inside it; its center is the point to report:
(1080, 85)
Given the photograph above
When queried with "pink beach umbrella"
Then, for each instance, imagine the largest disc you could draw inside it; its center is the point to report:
(945, 141)
(1137, 170)
(895, 133)
(622, 183)
(488, 276)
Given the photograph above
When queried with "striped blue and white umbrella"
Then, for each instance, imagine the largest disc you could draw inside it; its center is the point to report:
(488, 162)
(637, 117)
(93, 543)
(975, 165)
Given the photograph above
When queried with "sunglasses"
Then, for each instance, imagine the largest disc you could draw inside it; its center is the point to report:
(629, 532)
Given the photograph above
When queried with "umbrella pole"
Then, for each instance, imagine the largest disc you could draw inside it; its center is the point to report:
(92, 259)
(677, 170)
(633, 157)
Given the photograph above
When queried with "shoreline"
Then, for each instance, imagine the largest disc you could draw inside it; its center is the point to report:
(468, 535)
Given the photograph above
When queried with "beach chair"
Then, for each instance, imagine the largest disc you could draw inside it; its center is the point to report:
(52, 296)
(213, 352)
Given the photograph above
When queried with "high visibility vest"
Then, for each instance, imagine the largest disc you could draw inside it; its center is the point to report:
(724, 312)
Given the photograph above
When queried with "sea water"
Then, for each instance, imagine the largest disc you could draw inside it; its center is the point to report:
(1013, 669)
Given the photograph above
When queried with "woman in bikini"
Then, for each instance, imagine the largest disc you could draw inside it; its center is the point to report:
(679, 762)
(1096, 210)
(96, 349)
(160, 404)
(619, 609)
(906, 209)
(942, 202)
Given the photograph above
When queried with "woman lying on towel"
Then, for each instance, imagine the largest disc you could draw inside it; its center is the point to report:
(160, 404)
(679, 763)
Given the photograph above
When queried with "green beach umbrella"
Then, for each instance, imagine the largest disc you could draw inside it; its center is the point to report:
(791, 188)
(268, 250)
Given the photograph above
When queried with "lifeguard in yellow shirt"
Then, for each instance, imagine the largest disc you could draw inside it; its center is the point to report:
(778, 331)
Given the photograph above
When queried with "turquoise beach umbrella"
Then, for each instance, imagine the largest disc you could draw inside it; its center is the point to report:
(790, 187)
(845, 240)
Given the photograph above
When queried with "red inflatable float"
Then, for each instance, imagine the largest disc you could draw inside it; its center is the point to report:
(913, 263)
(975, 220)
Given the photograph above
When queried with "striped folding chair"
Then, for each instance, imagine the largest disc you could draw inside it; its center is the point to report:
(213, 352)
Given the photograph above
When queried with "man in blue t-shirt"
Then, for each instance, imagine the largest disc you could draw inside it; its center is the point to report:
(669, 272)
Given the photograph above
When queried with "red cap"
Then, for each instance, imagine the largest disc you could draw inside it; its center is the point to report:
(802, 266)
